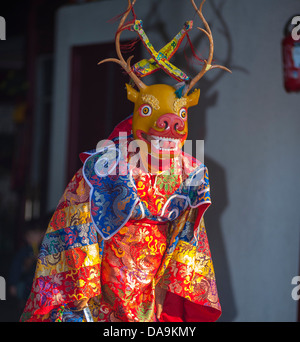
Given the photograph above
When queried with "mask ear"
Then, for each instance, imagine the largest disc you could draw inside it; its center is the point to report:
(132, 94)
(193, 98)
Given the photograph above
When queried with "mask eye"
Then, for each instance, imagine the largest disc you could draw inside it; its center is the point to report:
(145, 110)
(183, 113)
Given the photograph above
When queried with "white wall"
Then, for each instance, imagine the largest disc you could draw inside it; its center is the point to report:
(251, 131)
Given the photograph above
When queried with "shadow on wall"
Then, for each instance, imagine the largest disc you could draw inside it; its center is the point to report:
(219, 195)
(213, 216)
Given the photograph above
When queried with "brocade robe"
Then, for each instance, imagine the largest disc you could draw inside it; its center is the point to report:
(117, 233)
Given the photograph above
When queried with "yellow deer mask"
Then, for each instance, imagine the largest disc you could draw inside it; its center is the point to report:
(160, 118)
(160, 111)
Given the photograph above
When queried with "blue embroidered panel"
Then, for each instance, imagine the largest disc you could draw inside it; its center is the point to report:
(114, 199)
(113, 195)
(68, 315)
(64, 239)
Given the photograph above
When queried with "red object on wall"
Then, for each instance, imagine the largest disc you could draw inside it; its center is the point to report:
(291, 61)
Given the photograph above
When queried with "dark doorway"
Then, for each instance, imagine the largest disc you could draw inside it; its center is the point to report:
(98, 99)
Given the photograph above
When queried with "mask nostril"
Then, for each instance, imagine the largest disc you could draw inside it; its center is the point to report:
(166, 124)
(175, 126)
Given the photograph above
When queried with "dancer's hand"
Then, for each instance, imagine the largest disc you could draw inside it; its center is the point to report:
(160, 295)
(80, 304)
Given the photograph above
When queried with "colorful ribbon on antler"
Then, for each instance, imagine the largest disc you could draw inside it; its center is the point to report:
(161, 58)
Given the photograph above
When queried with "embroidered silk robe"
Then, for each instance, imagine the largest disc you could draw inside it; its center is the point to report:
(117, 233)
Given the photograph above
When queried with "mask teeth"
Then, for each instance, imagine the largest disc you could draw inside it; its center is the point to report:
(164, 138)
(158, 143)
(155, 143)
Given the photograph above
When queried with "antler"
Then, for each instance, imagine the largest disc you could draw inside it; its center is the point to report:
(121, 61)
(207, 66)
